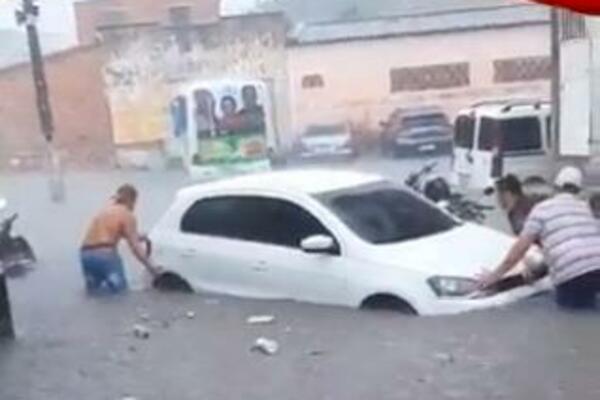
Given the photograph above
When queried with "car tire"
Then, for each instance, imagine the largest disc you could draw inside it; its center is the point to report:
(171, 282)
(388, 302)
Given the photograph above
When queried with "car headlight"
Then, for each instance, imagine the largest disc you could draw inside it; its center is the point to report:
(448, 286)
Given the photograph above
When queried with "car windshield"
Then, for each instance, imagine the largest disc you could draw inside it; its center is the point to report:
(427, 120)
(325, 130)
(383, 214)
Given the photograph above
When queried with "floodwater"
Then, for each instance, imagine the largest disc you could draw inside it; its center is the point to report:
(74, 347)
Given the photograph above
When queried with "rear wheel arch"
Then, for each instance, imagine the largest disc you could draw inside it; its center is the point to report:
(172, 282)
(388, 302)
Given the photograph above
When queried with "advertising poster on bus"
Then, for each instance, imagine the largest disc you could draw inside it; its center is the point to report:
(225, 127)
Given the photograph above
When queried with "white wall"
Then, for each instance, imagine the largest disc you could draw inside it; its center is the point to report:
(357, 74)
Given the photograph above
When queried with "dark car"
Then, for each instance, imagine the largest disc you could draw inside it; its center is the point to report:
(418, 131)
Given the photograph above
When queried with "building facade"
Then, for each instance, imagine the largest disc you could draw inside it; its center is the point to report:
(80, 108)
(360, 71)
(147, 66)
(93, 15)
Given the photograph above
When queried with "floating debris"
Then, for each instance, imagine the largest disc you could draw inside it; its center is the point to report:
(266, 346)
(141, 332)
(260, 320)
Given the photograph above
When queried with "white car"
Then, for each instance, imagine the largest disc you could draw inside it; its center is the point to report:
(329, 237)
(323, 141)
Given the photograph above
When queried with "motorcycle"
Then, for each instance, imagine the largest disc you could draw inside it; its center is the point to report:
(438, 191)
(16, 254)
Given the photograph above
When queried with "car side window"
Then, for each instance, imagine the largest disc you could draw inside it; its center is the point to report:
(252, 218)
(464, 132)
(522, 135)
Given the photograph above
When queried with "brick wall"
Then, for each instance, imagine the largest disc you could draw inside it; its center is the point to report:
(82, 120)
(94, 14)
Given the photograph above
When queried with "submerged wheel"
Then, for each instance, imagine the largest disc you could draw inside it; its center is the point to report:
(388, 302)
(171, 282)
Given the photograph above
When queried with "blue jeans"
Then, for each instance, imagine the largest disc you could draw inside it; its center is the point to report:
(103, 271)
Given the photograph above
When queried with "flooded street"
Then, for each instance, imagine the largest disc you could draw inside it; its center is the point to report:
(71, 347)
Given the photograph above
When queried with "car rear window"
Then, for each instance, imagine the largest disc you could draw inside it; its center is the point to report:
(418, 121)
(324, 130)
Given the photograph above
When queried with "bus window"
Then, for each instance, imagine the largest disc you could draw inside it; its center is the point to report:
(204, 113)
(464, 132)
(179, 116)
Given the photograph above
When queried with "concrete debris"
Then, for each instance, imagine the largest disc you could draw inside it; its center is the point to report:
(266, 346)
(141, 332)
(260, 319)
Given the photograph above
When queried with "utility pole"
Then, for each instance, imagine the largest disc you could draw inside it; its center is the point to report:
(28, 16)
(556, 76)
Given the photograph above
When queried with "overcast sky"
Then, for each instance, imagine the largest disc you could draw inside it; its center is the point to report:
(57, 16)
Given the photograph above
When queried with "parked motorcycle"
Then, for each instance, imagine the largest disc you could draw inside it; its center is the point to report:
(438, 190)
(16, 254)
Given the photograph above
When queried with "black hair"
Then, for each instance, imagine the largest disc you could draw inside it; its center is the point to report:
(571, 189)
(230, 99)
(511, 184)
(125, 194)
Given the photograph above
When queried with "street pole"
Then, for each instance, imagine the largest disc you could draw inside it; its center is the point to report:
(28, 17)
(556, 75)
(6, 324)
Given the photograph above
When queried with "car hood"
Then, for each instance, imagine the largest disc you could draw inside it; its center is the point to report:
(463, 251)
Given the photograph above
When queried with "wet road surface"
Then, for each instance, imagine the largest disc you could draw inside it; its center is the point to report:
(74, 347)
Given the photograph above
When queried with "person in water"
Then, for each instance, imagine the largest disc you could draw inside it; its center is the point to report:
(100, 261)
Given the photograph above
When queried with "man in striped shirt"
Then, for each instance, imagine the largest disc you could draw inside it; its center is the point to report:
(570, 238)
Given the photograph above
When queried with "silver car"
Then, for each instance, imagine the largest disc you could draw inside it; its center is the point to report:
(324, 141)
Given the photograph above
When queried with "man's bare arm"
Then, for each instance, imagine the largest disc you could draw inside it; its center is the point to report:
(515, 254)
(133, 240)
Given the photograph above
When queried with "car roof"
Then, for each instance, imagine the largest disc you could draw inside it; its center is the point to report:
(418, 111)
(305, 181)
(508, 108)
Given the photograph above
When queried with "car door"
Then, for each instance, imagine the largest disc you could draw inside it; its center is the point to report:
(283, 270)
(215, 248)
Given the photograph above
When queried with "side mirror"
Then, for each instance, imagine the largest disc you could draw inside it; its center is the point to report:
(319, 244)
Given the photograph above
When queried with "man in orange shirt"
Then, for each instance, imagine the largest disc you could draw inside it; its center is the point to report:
(102, 266)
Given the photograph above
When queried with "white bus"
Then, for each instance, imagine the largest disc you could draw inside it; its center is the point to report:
(223, 127)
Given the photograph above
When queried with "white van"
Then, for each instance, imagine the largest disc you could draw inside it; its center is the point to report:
(519, 131)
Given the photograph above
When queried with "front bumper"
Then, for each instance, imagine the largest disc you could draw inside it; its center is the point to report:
(450, 306)
(422, 147)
